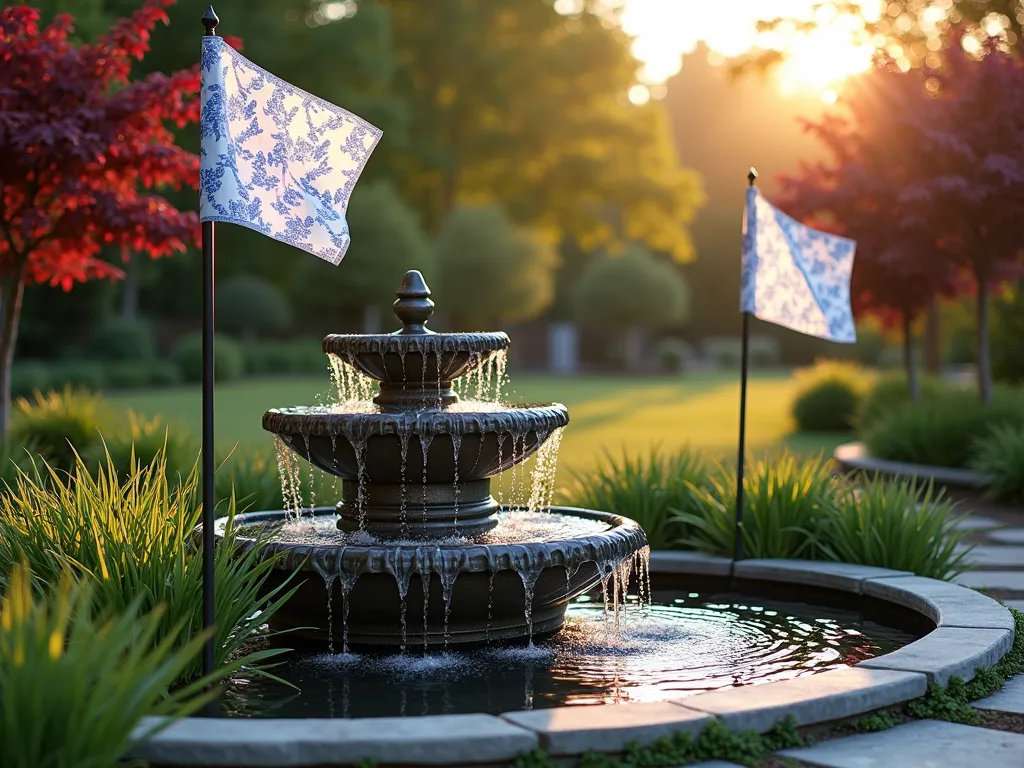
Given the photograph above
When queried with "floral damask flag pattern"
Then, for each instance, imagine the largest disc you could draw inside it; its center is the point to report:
(795, 276)
(275, 158)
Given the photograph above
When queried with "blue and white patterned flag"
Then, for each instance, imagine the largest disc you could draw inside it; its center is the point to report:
(275, 158)
(795, 276)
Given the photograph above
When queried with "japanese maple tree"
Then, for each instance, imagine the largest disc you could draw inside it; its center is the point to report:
(84, 150)
(927, 174)
(969, 141)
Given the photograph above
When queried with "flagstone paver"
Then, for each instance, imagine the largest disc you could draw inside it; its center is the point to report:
(997, 556)
(1009, 699)
(1007, 535)
(921, 744)
(978, 523)
(1008, 580)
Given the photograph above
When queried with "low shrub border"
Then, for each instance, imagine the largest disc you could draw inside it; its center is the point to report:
(715, 724)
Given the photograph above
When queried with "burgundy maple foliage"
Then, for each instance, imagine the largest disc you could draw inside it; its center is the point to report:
(925, 172)
(84, 150)
(971, 187)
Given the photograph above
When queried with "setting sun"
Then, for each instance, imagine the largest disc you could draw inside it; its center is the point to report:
(816, 62)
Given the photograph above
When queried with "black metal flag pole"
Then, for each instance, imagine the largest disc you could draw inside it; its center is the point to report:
(737, 551)
(210, 21)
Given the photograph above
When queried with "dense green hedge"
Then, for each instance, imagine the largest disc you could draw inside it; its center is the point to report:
(118, 369)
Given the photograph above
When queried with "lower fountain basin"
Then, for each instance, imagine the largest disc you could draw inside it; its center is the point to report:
(508, 585)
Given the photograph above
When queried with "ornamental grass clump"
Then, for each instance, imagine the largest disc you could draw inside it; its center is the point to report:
(137, 441)
(57, 424)
(784, 500)
(131, 539)
(76, 681)
(644, 488)
(904, 525)
(999, 458)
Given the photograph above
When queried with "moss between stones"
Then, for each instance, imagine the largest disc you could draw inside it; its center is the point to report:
(715, 742)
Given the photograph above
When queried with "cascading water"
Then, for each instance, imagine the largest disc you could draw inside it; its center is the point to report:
(420, 408)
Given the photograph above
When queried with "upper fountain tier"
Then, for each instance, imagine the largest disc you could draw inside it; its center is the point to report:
(413, 464)
(415, 366)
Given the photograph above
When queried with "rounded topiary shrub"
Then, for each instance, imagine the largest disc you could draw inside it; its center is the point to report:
(121, 340)
(228, 358)
(249, 306)
(827, 396)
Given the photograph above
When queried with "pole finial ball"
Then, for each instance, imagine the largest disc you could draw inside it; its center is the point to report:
(752, 175)
(210, 20)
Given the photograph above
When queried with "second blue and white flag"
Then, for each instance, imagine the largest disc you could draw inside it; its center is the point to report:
(275, 158)
(795, 276)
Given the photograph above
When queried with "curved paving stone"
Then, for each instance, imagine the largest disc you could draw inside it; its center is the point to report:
(947, 652)
(854, 457)
(922, 744)
(574, 730)
(437, 740)
(816, 698)
(1009, 699)
(696, 563)
(841, 576)
(946, 604)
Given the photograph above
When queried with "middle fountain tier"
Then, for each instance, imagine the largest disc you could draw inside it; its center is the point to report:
(416, 461)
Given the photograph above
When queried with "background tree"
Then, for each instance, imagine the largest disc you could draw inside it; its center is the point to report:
(513, 102)
(971, 191)
(250, 306)
(899, 268)
(490, 273)
(79, 140)
(387, 240)
(630, 292)
(911, 32)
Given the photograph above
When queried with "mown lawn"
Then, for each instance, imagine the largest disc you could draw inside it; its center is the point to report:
(608, 413)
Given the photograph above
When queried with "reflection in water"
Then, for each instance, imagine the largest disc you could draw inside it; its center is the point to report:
(681, 645)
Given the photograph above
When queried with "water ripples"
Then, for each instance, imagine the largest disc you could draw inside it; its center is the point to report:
(677, 647)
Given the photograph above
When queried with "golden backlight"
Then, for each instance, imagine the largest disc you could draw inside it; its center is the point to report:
(816, 61)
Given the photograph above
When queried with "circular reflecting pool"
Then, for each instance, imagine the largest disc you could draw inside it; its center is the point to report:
(683, 643)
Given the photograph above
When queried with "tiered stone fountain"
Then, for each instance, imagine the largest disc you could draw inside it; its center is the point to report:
(418, 553)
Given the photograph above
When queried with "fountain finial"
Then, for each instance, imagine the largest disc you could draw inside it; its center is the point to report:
(413, 305)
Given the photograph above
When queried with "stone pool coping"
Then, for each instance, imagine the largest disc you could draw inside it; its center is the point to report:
(972, 630)
(854, 457)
